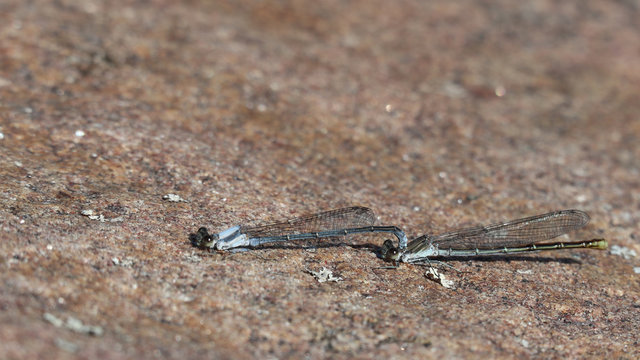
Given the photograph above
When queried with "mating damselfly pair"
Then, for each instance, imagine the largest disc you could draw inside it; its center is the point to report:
(515, 236)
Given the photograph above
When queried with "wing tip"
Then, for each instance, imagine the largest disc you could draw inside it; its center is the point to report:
(582, 216)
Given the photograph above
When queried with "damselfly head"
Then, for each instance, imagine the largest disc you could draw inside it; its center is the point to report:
(203, 239)
(388, 251)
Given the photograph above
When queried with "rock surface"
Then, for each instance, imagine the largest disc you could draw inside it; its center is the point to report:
(435, 114)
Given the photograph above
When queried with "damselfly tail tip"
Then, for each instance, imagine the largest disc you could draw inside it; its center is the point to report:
(599, 244)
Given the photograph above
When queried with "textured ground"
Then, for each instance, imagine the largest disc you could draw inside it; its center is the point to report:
(435, 114)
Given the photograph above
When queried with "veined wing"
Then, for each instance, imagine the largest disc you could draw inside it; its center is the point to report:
(344, 218)
(513, 233)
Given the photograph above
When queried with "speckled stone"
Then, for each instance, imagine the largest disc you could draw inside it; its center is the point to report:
(436, 114)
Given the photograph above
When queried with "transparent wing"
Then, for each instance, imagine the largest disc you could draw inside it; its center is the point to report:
(350, 217)
(513, 233)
